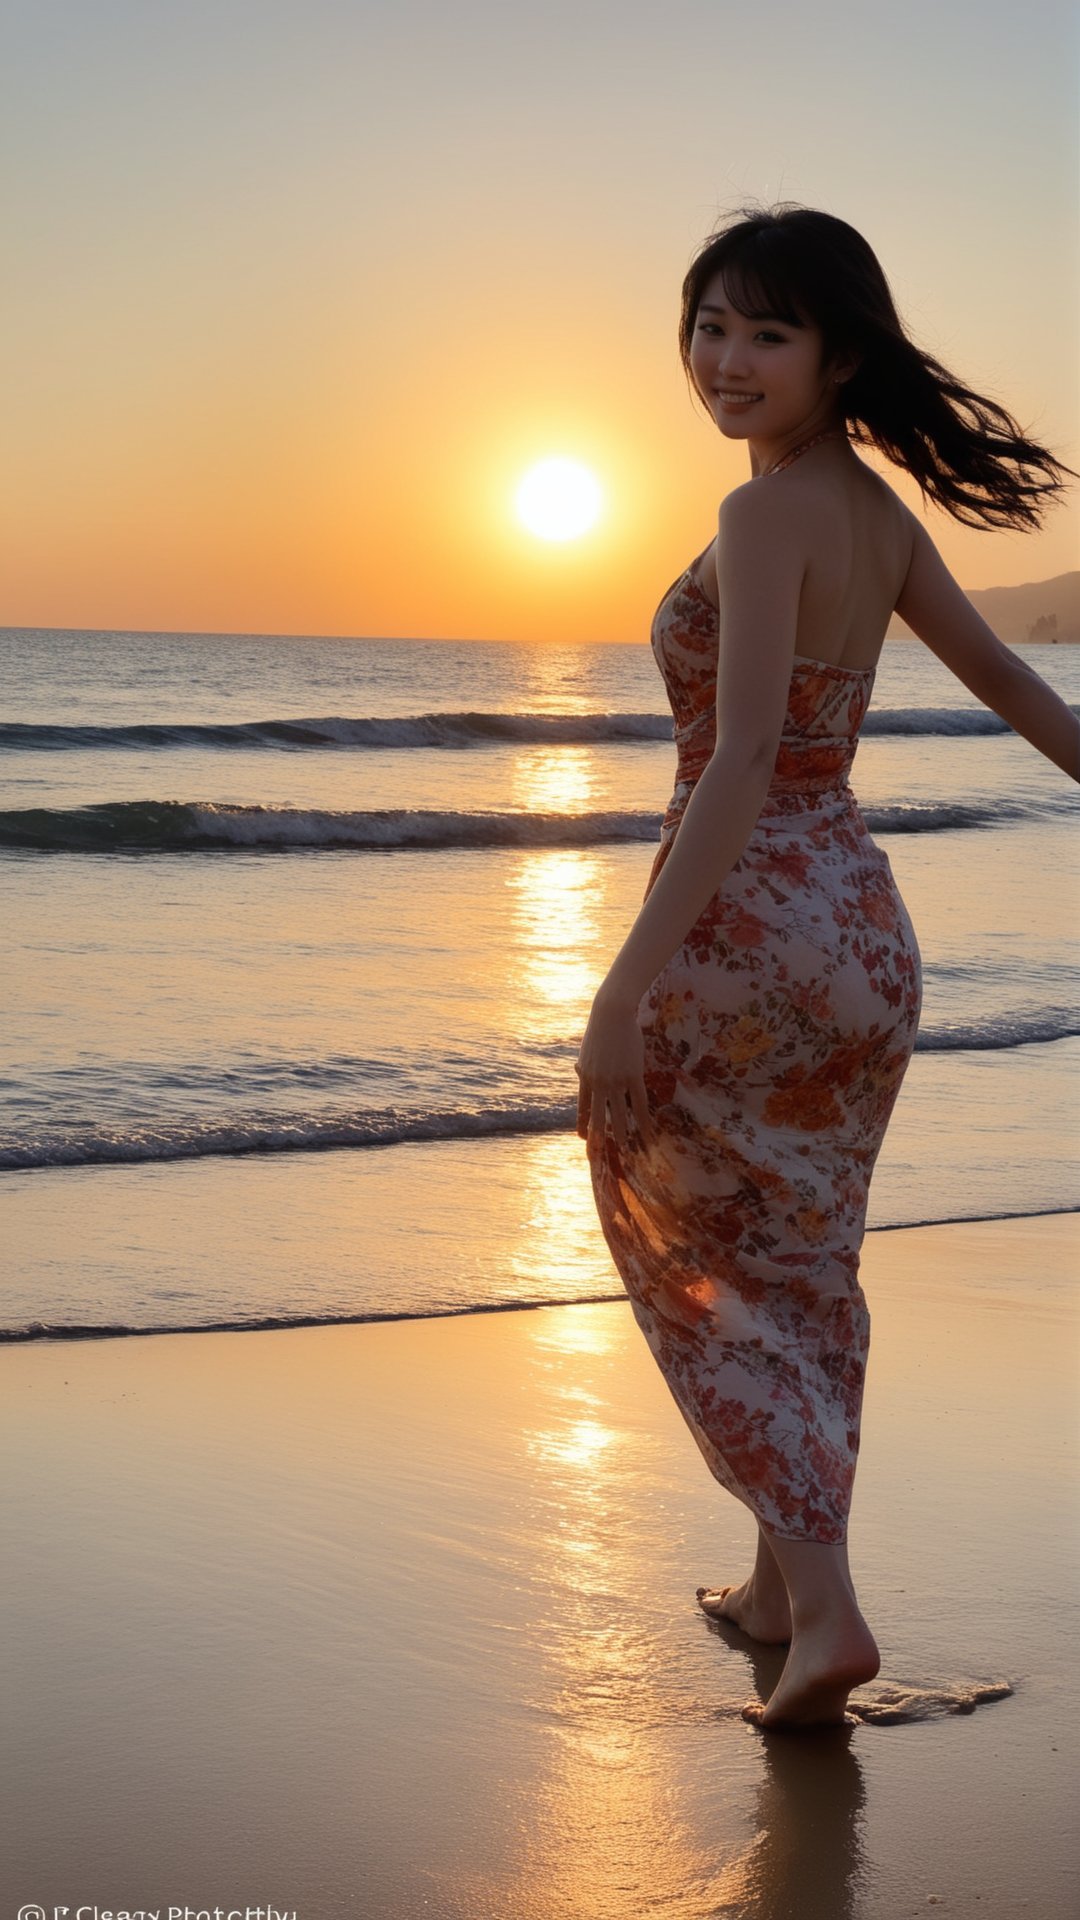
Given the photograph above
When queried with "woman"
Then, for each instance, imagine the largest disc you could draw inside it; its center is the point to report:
(744, 1053)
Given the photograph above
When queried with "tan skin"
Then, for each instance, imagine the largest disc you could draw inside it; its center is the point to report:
(859, 556)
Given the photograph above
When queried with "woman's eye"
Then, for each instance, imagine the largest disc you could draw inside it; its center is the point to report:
(711, 326)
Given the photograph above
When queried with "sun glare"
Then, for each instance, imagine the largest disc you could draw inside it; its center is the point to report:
(558, 500)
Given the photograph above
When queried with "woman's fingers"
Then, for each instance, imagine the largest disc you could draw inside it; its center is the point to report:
(617, 1104)
(594, 1107)
(639, 1101)
(591, 1116)
(633, 1098)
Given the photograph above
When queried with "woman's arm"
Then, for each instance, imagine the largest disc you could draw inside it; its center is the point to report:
(761, 561)
(1033, 709)
(760, 565)
(719, 818)
(937, 609)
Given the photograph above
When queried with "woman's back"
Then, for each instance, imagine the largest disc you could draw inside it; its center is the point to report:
(859, 538)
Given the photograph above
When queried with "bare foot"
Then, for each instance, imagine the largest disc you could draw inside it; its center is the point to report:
(826, 1661)
(740, 1605)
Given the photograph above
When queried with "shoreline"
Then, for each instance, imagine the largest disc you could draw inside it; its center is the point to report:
(38, 1331)
(398, 1617)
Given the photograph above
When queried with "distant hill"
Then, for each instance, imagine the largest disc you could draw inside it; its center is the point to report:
(1045, 610)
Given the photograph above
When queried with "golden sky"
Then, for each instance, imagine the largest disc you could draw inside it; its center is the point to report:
(296, 290)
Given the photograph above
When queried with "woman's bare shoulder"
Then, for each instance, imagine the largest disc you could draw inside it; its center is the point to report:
(843, 472)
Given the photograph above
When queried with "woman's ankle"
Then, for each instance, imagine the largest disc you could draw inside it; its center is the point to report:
(830, 1612)
(771, 1596)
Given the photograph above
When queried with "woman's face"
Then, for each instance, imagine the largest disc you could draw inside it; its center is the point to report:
(730, 354)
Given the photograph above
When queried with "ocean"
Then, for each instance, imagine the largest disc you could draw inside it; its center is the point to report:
(301, 934)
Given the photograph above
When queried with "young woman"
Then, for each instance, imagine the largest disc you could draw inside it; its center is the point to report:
(744, 1054)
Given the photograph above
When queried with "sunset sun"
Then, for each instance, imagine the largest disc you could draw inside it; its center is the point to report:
(558, 499)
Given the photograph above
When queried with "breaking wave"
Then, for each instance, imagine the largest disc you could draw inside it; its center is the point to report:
(451, 730)
(198, 826)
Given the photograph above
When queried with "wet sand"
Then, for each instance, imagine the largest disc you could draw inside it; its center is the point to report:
(399, 1620)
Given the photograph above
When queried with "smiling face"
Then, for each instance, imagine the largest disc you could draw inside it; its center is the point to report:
(733, 355)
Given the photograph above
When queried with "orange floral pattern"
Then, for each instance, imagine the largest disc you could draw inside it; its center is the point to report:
(776, 1041)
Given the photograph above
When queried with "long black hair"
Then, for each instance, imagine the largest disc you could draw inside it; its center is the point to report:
(809, 268)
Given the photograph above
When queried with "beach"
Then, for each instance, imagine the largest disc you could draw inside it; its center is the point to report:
(352, 1534)
(398, 1618)
(433, 447)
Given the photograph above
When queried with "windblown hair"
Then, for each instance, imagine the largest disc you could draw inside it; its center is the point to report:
(809, 268)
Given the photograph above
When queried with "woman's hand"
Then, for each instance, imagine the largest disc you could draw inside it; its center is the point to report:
(611, 1068)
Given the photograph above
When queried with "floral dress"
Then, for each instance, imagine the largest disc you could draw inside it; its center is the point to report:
(776, 1041)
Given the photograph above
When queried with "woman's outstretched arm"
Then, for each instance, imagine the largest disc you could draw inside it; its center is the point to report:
(1032, 708)
(937, 609)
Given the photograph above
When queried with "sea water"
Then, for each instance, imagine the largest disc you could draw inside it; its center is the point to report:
(300, 938)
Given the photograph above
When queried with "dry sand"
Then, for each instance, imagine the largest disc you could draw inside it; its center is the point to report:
(398, 1620)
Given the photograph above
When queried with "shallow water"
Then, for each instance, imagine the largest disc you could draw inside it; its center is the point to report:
(352, 1006)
